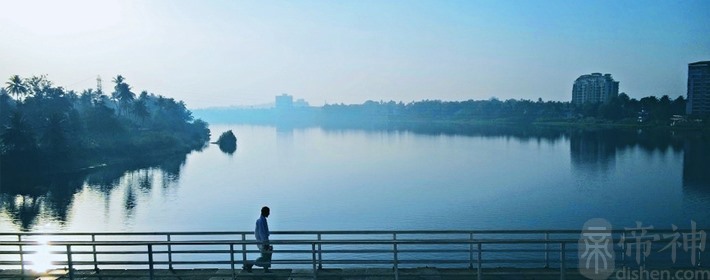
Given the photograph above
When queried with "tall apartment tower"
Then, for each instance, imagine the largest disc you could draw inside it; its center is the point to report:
(594, 88)
(698, 88)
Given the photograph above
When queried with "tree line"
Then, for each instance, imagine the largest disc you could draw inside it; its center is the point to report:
(47, 129)
(619, 109)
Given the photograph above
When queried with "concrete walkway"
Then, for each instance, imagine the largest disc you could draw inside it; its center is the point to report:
(302, 274)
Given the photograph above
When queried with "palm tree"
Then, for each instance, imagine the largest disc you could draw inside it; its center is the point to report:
(119, 79)
(54, 139)
(16, 86)
(122, 92)
(38, 85)
(144, 95)
(141, 110)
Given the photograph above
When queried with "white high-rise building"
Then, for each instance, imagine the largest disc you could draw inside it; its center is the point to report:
(594, 88)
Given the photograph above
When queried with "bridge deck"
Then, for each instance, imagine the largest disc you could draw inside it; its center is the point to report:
(427, 273)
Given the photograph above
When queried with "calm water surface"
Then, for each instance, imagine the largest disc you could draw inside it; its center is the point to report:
(336, 179)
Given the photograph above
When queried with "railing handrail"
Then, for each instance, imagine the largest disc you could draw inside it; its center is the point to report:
(296, 242)
(309, 245)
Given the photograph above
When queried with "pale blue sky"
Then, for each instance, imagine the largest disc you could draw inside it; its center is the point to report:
(220, 53)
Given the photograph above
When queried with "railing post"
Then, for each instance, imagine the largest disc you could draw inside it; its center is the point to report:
(320, 253)
(315, 268)
(475, 245)
(231, 258)
(480, 270)
(547, 248)
(170, 254)
(470, 252)
(643, 255)
(22, 256)
(96, 263)
(150, 261)
(244, 248)
(70, 264)
(563, 266)
(623, 249)
(396, 257)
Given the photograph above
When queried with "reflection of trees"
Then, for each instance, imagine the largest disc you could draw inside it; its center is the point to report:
(52, 197)
(696, 159)
(595, 150)
(105, 178)
(227, 147)
(171, 168)
(49, 197)
(519, 132)
(129, 202)
(592, 150)
(59, 197)
(145, 180)
(22, 209)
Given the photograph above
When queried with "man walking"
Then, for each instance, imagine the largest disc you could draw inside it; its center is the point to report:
(262, 236)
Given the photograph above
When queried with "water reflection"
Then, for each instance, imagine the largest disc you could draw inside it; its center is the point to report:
(23, 209)
(594, 156)
(26, 200)
(228, 148)
(515, 132)
(593, 151)
(285, 130)
(696, 177)
(145, 181)
(128, 187)
(130, 202)
(696, 174)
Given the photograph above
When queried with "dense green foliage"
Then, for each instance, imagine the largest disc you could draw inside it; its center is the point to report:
(45, 129)
(620, 111)
(621, 108)
(227, 137)
(227, 142)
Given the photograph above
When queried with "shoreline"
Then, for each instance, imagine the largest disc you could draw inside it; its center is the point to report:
(469, 123)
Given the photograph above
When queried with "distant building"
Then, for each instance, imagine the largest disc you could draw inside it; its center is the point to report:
(284, 101)
(594, 88)
(300, 103)
(698, 88)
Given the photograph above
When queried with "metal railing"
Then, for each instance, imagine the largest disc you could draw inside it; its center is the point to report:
(475, 251)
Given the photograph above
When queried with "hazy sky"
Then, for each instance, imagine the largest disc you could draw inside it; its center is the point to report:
(220, 53)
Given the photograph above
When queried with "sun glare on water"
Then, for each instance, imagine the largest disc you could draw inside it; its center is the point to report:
(41, 260)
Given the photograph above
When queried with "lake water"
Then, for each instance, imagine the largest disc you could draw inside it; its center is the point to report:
(380, 179)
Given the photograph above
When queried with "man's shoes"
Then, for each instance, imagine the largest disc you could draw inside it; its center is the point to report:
(247, 268)
(266, 270)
